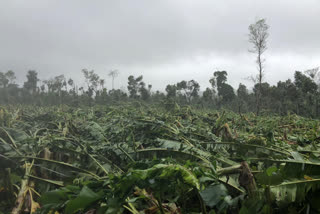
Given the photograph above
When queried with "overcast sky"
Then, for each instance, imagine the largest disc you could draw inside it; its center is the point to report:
(165, 40)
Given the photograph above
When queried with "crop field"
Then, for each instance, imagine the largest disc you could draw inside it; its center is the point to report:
(138, 158)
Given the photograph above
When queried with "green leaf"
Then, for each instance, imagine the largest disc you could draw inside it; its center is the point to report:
(53, 200)
(85, 198)
(271, 170)
(244, 210)
(294, 190)
(297, 156)
(55, 196)
(214, 194)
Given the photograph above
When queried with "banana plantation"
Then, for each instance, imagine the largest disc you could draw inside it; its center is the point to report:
(137, 158)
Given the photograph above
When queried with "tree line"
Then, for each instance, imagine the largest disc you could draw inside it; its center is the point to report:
(300, 95)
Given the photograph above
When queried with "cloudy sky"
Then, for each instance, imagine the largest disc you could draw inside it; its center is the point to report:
(165, 40)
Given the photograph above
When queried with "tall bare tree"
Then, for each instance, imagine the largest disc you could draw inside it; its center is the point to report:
(113, 74)
(258, 35)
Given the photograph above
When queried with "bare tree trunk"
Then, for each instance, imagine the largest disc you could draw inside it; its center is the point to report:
(260, 83)
(258, 37)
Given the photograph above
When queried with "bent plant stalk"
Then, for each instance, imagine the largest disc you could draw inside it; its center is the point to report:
(23, 190)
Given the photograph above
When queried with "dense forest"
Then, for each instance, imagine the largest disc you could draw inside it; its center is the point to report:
(300, 95)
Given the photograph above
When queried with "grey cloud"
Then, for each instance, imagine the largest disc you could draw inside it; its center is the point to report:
(163, 40)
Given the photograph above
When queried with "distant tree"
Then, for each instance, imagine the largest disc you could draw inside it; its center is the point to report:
(7, 78)
(182, 86)
(32, 80)
(263, 88)
(158, 96)
(72, 85)
(225, 91)
(208, 95)
(117, 95)
(138, 89)
(101, 83)
(243, 95)
(194, 88)
(49, 84)
(9, 90)
(70, 82)
(220, 78)
(92, 80)
(113, 74)
(285, 94)
(305, 84)
(133, 86)
(313, 73)
(55, 84)
(258, 35)
(3, 80)
(10, 75)
(59, 82)
(265, 91)
(171, 91)
(190, 89)
(144, 92)
(242, 92)
(42, 88)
